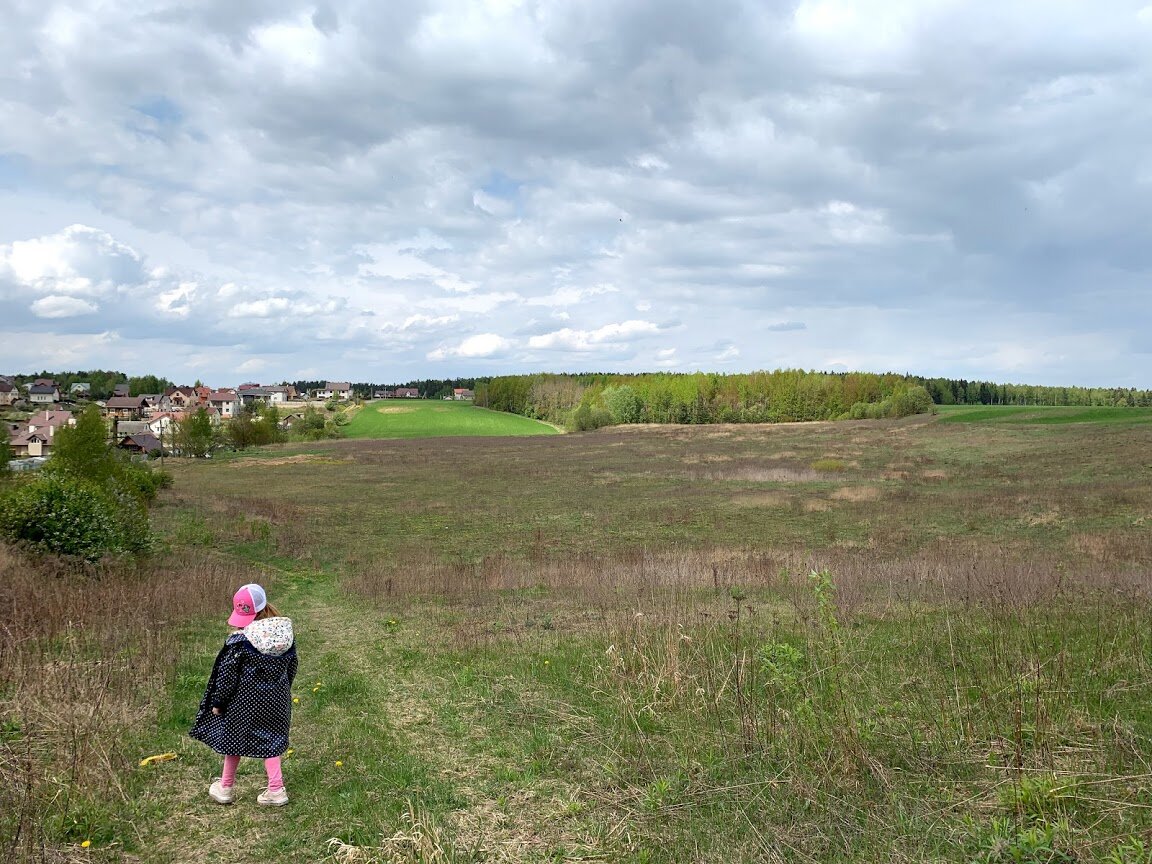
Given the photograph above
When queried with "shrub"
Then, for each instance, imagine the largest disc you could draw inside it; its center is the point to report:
(586, 418)
(828, 465)
(623, 404)
(914, 400)
(63, 514)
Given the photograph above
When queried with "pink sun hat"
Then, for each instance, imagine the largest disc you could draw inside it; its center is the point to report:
(246, 603)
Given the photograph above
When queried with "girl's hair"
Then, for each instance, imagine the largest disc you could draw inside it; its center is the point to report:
(269, 611)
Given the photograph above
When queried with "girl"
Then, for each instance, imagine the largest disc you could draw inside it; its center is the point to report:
(247, 706)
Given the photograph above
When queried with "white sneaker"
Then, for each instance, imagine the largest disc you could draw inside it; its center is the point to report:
(219, 794)
(270, 798)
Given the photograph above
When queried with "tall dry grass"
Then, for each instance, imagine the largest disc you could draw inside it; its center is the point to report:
(859, 689)
(85, 653)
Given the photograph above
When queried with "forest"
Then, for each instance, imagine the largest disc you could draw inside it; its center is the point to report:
(586, 401)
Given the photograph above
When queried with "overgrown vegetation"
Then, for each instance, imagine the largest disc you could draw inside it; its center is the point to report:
(594, 401)
(871, 641)
(88, 500)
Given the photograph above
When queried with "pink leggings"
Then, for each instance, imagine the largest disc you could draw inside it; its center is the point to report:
(272, 766)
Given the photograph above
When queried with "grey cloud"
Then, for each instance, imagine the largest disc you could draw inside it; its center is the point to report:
(729, 165)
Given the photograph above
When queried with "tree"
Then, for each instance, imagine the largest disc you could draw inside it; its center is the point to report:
(147, 384)
(194, 436)
(83, 449)
(5, 454)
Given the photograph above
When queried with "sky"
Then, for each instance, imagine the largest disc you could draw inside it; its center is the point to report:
(354, 190)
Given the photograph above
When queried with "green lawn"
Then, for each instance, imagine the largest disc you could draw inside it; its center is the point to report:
(411, 418)
(1041, 414)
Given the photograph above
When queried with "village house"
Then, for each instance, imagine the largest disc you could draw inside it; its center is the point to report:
(34, 436)
(290, 421)
(178, 398)
(43, 391)
(120, 390)
(407, 393)
(249, 394)
(8, 393)
(49, 421)
(459, 393)
(81, 390)
(334, 390)
(125, 407)
(226, 403)
(139, 442)
(25, 444)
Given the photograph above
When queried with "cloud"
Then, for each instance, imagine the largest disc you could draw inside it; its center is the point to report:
(482, 345)
(612, 335)
(56, 306)
(784, 326)
(325, 188)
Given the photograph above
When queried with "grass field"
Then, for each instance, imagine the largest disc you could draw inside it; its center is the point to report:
(1042, 414)
(418, 418)
(610, 647)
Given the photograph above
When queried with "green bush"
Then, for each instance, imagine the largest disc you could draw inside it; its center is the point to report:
(64, 514)
(586, 417)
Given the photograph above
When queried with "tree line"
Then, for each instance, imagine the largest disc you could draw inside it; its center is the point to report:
(101, 381)
(591, 400)
(430, 388)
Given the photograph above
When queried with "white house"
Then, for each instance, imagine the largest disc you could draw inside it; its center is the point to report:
(224, 401)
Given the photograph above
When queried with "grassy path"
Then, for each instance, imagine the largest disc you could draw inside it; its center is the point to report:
(385, 765)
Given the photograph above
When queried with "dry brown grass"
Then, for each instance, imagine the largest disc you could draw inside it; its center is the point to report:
(85, 652)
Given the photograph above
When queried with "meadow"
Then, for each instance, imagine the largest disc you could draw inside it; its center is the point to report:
(1043, 414)
(419, 418)
(870, 641)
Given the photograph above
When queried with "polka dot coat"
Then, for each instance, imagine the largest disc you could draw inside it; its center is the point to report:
(253, 691)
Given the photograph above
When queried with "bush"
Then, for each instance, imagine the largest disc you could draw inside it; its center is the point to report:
(585, 418)
(64, 514)
(914, 400)
(623, 403)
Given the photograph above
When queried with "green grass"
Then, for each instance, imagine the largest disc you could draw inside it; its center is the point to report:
(1042, 414)
(607, 646)
(412, 418)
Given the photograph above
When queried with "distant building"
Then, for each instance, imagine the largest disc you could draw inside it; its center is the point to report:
(46, 393)
(407, 393)
(335, 390)
(459, 393)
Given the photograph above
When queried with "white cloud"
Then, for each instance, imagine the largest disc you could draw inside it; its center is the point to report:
(568, 339)
(256, 364)
(56, 306)
(482, 345)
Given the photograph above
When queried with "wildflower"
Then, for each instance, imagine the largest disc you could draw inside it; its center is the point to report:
(314, 689)
(547, 662)
(339, 764)
(295, 700)
(85, 844)
(288, 752)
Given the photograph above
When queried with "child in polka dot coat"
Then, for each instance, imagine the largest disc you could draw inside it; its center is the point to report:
(247, 705)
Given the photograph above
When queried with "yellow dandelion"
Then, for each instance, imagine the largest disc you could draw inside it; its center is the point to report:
(85, 844)
(547, 662)
(314, 689)
(288, 752)
(295, 700)
(339, 764)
